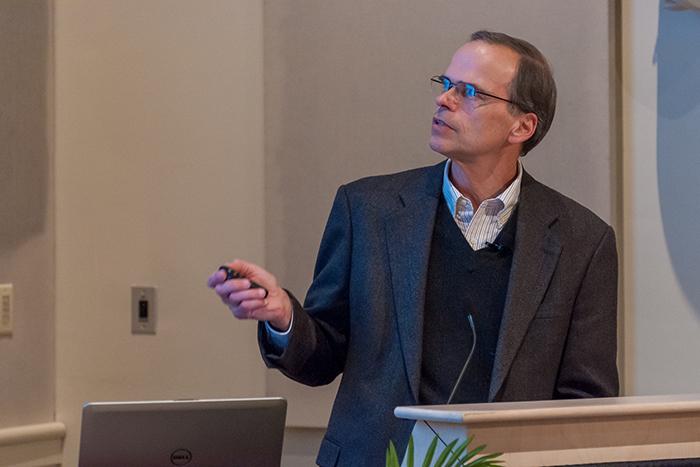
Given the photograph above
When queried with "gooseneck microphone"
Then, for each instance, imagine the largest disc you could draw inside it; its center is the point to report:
(459, 380)
(466, 364)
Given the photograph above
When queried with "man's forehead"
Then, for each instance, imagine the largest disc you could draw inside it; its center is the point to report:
(483, 64)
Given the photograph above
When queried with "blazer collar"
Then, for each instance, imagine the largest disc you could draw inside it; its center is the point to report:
(409, 233)
(535, 256)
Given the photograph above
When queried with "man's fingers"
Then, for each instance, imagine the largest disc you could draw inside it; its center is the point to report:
(234, 285)
(244, 267)
(217, 278)
(248, 295)
(257, 308)
(240, 313)
(254, 273)
(245, 302)
(251, 309)
(252, 305)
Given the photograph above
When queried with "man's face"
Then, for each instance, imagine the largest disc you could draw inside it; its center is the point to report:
(479, 126)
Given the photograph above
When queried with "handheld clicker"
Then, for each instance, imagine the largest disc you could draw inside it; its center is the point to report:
(233, 274)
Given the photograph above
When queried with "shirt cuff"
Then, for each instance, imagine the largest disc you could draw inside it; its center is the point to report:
(279, 340)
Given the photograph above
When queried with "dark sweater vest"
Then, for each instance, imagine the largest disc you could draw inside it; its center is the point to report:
(461, 281)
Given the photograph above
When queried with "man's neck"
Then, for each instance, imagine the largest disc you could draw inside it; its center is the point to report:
(483, 180)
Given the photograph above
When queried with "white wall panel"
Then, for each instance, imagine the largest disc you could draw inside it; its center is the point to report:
(26, 211)
(159, 179)
(661, 211)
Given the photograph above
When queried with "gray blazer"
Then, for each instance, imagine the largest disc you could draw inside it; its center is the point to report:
(363, 314)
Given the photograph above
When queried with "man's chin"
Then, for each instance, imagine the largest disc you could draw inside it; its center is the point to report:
(438, 147)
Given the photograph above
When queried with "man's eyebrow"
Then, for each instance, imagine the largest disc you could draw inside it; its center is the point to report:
(456, 81)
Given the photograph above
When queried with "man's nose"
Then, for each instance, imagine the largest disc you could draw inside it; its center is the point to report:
(449, 99)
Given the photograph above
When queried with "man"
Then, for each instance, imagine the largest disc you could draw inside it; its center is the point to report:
(409, 260)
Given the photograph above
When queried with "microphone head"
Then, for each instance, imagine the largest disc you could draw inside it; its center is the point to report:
(497, 247)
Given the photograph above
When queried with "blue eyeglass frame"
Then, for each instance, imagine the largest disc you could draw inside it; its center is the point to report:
(465, 89)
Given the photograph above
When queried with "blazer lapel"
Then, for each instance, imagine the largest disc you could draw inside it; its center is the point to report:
(537, 250)
(409, 232)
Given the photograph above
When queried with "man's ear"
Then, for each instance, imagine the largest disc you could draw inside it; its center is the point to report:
(523, 128)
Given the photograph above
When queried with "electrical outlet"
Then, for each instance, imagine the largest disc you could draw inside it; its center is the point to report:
(6, 306)
(143, 310)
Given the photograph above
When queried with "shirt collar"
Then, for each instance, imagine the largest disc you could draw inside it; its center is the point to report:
(508, 198)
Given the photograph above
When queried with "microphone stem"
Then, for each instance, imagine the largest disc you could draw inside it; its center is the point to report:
(466, 364)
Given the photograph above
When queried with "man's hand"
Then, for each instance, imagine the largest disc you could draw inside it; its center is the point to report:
(247, 303)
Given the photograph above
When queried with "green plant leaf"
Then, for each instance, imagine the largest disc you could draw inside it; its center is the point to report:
(394, 455)
(445, 452)
(431, 451)
(453, 455)
(487, 461)
(456, 453)
(471, 454)
(410, 454)
(392, 459)
(470, 438)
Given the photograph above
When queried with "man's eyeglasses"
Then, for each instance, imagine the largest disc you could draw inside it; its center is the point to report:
(442, 84)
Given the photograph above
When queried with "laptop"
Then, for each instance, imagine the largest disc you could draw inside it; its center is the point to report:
(193, 433)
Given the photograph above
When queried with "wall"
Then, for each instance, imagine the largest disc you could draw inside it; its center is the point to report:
(159, 163)
(661, 169)
(347, 95)
(159, 170)
(26, 212)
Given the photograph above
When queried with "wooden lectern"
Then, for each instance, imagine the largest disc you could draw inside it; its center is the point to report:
(580, 431)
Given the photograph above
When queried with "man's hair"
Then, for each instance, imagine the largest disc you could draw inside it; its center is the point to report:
(533, 87)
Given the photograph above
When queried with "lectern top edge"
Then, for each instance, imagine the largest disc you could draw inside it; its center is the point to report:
(541, 410)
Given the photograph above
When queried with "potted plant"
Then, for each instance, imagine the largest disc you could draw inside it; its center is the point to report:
(452, 455)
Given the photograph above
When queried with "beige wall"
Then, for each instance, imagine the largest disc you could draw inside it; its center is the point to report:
(159, 170)
(26, 212)
(347, 95)
(160, 174)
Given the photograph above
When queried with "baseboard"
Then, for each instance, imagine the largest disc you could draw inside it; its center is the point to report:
(37, 445)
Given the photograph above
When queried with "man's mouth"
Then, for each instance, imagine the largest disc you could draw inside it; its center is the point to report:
(440, 122)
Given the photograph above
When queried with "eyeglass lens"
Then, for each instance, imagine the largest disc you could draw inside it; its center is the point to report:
(443, 84)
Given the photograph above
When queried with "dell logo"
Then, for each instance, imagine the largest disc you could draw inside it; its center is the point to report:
(181, 457)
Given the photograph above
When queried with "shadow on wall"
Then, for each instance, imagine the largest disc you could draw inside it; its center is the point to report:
(678, 142)
(24, 120)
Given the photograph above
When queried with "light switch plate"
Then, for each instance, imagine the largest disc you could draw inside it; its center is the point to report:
(6, 309)
(143, 310)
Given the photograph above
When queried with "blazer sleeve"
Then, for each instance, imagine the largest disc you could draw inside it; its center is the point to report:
(588, 367)
(315, 354)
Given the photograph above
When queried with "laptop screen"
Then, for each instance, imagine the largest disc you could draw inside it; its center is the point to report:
(214, 432)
